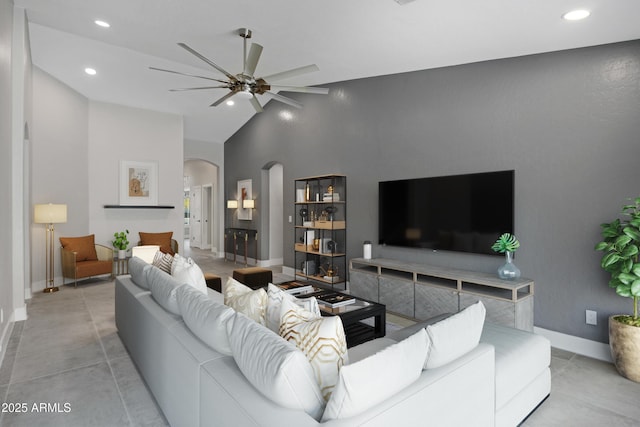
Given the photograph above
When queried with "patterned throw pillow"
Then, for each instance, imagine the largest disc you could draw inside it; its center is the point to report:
(252, 303)
(322, 340)
(163, 262)
(275, 295)
(185, 270)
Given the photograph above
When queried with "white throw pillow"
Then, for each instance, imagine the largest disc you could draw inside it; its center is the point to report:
(185, 270)
(252, 303)
(275, 295)
(274, 367)
(321, 339)
(454, 336)
(163, 289)
(366, 383)
(205, 318)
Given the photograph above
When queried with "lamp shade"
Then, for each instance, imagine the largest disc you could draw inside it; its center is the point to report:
(50, 214)
(248, 204)
(232, 204)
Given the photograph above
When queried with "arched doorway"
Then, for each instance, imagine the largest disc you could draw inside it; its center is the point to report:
(201, 218)
(273, 224)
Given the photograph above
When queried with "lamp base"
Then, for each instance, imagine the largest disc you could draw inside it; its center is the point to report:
(50, 290)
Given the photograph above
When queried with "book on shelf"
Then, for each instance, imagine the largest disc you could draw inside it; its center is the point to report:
(334, 300)
(296, 288)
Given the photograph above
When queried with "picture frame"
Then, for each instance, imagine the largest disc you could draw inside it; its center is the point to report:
(244, 193)
(138, 183)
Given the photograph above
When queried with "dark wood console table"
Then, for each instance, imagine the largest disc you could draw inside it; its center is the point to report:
(241, 236)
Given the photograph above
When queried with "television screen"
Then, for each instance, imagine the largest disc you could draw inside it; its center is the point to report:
(465, 213)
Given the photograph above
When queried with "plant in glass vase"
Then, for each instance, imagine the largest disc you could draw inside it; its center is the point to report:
(621, 247)
(507, 243)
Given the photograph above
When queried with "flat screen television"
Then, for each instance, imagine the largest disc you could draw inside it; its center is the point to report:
(464, 213)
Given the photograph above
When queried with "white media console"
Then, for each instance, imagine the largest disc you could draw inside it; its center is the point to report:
(422, 291)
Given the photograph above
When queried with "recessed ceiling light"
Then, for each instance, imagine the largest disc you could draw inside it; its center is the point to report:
(230, 102)
(102, 24)
(90, 71)
(576, 15)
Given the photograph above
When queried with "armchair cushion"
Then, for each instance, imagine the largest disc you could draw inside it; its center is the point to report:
(93, 268)
(161, 239)
(84, 247)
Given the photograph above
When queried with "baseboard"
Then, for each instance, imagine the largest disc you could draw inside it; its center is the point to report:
(582, 346)
(270, 262)
(19, 314)
(4, 339)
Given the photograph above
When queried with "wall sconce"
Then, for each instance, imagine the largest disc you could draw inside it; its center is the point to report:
(49, 214)
(249, 204)
(232, 204)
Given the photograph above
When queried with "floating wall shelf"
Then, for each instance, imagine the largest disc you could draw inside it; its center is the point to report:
(138, 207)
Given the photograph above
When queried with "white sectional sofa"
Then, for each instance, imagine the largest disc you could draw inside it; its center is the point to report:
(496, 383)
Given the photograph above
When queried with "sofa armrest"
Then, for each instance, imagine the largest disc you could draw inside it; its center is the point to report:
(68, 263)
(104, 253)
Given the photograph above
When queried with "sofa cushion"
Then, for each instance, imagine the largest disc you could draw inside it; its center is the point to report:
(93, 268)
(138, 270)
(251, 303)
(161, 239)
(369, 348)
(275, 367)
(321, 339)
(520, 357)
(205, 318)
(185, 270)
(163, 289)
(163, 261)
(275, 295)
(368, 382)
(465, 326)
(84, 247)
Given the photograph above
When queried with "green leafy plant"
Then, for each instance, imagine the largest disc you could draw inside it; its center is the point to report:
(506, 243)
(120, 240)
(621, 247)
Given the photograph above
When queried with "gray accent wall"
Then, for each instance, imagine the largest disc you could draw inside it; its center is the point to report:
(567, 122)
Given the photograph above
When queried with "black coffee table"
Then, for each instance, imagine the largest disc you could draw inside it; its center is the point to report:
(352, 316)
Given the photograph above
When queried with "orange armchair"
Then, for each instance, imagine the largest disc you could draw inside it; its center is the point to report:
(82, 258)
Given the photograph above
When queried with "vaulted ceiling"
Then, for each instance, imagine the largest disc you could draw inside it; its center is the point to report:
(347, 39)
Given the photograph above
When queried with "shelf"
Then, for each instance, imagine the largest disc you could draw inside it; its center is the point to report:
(337, 202)
(321, 253)
(336, 280)
(139, 207)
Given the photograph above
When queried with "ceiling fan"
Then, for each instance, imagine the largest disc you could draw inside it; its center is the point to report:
(245, 84)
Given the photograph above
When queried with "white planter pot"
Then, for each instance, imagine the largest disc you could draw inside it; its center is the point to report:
(122, 253)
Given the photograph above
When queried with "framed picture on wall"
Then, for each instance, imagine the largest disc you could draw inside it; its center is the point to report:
(138, 183)
(244, 193)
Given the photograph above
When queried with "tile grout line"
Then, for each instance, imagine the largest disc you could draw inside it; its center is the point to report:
(106, 357)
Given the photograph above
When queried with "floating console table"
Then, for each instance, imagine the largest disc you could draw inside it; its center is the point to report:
(422, 291)
(247, 236)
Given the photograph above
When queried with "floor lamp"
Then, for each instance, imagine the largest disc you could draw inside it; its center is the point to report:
(50, 214)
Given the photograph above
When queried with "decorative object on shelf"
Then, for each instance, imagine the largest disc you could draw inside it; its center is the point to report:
(138, 183)
(507, 244)
(121, 243)
(244, 191)
(49, 214)
(300, 195)
(331, 210)
(621, 246)
(366, 250)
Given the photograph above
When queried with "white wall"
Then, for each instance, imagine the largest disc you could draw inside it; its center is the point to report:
(122, 133)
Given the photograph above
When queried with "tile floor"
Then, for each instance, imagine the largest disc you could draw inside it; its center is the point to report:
(67, 356)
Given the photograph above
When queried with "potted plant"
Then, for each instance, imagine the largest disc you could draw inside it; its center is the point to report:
(621, 247)
(507, 244)
(121, 243)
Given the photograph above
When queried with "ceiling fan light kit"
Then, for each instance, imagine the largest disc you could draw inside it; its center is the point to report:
(245, 85)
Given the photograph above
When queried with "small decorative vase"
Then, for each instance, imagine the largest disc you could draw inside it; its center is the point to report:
(122, 253)
(509, 270)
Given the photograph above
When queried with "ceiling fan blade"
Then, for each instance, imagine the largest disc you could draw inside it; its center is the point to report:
(198, 88)
(292, 73)
(252, 59)
(187, 74)
(256, 104)
(208, 61)
(221, 100)
(302, 89)
(285, 100)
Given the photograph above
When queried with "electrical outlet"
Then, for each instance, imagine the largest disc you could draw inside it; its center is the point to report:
(290, 219)
(591, 317)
